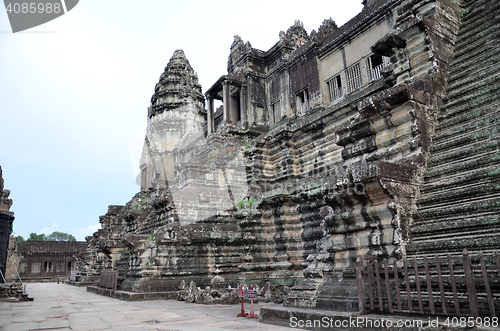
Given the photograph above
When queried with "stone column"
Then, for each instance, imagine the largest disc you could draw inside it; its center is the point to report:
(226, 93)
(242, 109)
(210, 115)
(287, 103)
(5, 230)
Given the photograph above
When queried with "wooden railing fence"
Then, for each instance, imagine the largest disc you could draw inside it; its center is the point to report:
(439, 285)
(109, 279)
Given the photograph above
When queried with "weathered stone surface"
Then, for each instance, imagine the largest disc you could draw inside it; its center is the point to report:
(6, 220)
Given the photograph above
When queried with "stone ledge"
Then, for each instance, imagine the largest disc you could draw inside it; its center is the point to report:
(77, 284)
(132, 296)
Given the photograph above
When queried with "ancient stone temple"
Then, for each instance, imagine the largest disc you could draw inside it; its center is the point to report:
(379, 137)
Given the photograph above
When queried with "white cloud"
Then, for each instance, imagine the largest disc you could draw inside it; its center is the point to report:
(81, 233)
(48, 231)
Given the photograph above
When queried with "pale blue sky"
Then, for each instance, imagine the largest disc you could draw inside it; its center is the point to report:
(74, 94)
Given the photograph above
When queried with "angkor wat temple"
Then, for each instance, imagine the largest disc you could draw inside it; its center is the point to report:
(379, 137)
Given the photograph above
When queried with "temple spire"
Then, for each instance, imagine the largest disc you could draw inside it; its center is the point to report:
(178, 86)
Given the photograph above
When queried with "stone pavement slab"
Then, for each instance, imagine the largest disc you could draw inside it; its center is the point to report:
(64, 307)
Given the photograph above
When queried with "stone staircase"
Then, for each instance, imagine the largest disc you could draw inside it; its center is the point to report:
(14, 290)
(459, 205)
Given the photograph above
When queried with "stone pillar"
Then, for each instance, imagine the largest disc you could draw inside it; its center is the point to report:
(5, 231)
(210, 115)
(286, 103)
(226, 93)
(242, 109)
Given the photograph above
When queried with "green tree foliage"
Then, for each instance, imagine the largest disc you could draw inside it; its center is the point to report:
(54, 236)
(60, 236)
(37, 237)
(19, 239)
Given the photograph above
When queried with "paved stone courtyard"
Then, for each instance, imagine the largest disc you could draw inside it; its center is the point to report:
(64, 307)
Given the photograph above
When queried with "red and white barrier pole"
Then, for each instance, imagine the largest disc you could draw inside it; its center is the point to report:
(251, 295)
(241, 294)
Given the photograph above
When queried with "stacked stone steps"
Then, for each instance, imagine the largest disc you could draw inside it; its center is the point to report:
(451, 225)
(462, 158)
(468, 181)
(481, 102)
(476, 186)
(452, 211)
(471, 37)
(479, 91)
(476, 57)
(435, 228)
(476, 20)
(450, 131)
(476, 35)
(460, 198)
(468, 71)
(462, 170)
(459, 205)
(474, 74)
(468, 87)
(459, 146)
(477, 103)
(473, 55)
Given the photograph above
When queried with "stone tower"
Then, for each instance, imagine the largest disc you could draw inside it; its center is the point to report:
(176, 116)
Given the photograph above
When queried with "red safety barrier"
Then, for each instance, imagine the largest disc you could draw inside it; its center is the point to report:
(251, 295)
(241, 294)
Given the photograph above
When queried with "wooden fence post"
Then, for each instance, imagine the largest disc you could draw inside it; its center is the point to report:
(379, 287)
(489, 295)
(471, 284)
(370, 269)
(429, 285)
(417, 283)
(453, 285)
(407, 281)
(361, 284)
(441, 288)
(396, 282)
(387, 285)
